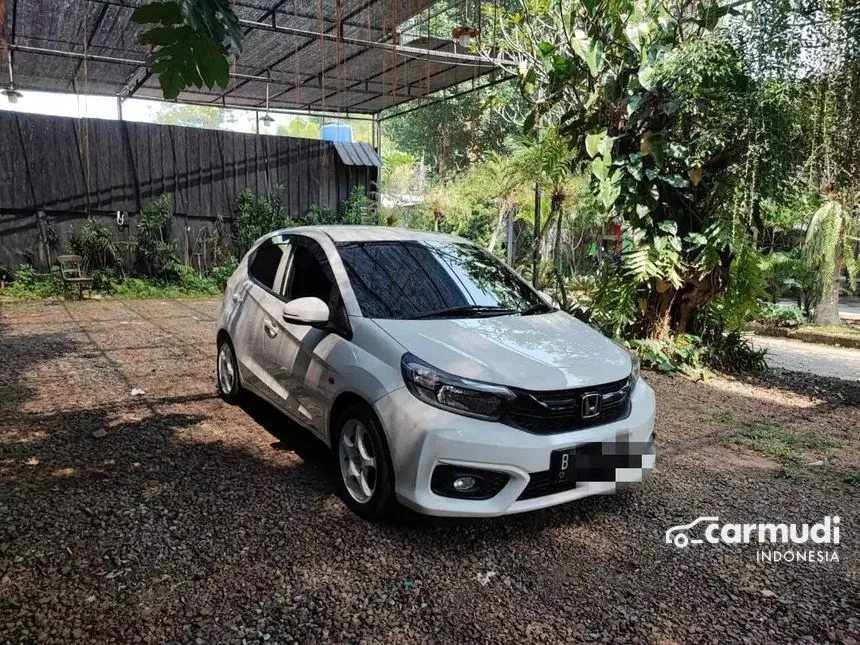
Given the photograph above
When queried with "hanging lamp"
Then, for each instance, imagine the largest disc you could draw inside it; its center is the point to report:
(267, 118)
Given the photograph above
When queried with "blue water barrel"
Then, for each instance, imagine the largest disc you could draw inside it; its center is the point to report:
(336, 132)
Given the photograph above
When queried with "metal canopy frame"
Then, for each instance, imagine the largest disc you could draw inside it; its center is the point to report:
(345, 57)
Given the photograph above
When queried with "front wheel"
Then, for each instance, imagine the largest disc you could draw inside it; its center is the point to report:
(227, 370)
(363, 471)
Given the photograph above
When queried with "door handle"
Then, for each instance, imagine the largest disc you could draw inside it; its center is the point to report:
(270, 328)
(237, 297)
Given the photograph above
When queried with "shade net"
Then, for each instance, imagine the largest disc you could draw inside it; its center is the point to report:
(92, 46)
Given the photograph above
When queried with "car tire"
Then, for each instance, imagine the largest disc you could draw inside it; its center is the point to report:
(227, 372)
(357, 439)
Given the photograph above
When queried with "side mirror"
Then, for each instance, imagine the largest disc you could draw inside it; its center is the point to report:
(306, 311)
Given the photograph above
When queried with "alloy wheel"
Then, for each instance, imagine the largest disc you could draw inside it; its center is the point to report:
(357, 461)
(226, 369)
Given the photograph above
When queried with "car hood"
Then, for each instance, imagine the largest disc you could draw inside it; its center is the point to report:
(542, 352)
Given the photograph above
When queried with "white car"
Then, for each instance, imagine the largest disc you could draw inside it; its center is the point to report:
(439, 378)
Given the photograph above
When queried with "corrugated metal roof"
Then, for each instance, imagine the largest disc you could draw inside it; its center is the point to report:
(357, 154)
(49, 39)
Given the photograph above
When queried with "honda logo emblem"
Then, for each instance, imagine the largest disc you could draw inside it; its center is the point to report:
(590, 405)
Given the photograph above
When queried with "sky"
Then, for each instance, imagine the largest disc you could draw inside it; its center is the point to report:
(148, 111)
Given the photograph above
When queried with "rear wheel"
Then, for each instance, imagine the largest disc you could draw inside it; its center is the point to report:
(364, 473)
(227, 370)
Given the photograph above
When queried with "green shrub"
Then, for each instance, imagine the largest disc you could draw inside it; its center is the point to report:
(696, 356)
(681, 353)
(93, 241)
(158, 253)
(780, 315)
(221, 273)
(256, 216)
(29, 284)
(733, 352)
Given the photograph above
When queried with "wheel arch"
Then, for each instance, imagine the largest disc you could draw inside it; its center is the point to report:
(223, 334)
(341, 403)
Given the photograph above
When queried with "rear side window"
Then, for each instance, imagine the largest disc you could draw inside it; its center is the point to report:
(264, 266)
(310, 278)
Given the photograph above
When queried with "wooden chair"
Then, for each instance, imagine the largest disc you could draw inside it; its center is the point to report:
(73, 274)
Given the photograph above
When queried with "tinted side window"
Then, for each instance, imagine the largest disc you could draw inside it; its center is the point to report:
(309, 277)
(264, 265)
(399, 280)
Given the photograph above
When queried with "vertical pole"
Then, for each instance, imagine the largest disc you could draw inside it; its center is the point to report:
(119, 108)
(377, 138)
(509, 239)
(536, 241)
(257, 121)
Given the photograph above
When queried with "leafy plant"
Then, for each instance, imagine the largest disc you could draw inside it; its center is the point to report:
(853, 479)
(732, 352)
(682, 353)
(256, 216)
(830, 244)
(191, 44)
(158, 253)
(655, 102)
(780, 315)
(93, 241)
(221, 273)
(29, 284)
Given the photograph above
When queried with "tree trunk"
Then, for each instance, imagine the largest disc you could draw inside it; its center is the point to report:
(536, 241)
(827, 309)
(503, 209)
(658, 319)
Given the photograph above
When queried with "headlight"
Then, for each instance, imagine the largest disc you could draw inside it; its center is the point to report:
(452, 393)
(634, 369)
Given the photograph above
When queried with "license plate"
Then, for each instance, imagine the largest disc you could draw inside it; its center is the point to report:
(563, 464)
(573, 464)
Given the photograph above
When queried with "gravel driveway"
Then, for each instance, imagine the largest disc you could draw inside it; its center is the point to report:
(812, 358)
(175, 517)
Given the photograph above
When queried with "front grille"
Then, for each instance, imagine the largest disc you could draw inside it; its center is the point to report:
(551, 412)
(601, 468)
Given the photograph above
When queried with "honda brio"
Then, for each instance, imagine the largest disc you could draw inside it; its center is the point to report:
(437, 376)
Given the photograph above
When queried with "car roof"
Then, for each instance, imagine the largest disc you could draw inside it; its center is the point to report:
(346, 233)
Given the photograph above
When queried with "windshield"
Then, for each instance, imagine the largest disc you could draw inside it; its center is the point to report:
(433, 279)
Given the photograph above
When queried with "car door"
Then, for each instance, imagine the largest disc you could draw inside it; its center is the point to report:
(257, 326)
(304, 369)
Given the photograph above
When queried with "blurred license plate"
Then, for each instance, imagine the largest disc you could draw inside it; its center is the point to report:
(563, 463)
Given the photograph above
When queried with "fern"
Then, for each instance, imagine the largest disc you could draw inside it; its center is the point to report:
(830, 244)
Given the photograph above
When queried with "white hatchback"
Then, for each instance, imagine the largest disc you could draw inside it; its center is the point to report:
(438, 377)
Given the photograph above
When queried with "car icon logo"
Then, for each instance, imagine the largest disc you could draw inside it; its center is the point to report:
(590, 405)
(678, 535)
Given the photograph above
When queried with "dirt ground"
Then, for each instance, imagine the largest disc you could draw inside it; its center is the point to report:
(176, 517)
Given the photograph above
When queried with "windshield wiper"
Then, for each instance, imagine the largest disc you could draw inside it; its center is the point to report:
(539, 308)
(477, 310)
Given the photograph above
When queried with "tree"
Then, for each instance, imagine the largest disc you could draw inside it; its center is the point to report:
(192, 116)
(305, 127)
(454, 133)
(830, 244)
(546, 161)
(657, 105)
(833, 164)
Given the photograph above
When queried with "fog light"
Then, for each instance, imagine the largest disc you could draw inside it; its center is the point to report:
(463, 484)
(466, 482)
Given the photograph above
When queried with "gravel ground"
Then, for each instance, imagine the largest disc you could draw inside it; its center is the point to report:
(175, 517)
(812, 358)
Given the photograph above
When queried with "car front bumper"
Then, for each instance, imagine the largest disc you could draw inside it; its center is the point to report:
(421, 437)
